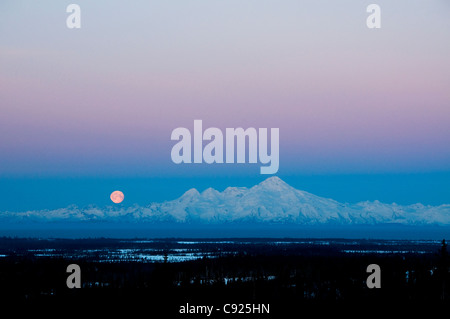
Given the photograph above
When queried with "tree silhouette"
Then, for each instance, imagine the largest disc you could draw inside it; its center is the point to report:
(442, 268)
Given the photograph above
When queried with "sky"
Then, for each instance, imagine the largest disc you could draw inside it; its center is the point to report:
(363, 113)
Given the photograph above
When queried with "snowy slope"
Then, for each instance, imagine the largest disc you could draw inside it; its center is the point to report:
(271, 201)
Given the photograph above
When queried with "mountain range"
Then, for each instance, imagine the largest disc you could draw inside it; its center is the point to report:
(272, 201)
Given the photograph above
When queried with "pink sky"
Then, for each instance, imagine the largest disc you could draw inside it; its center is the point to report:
(344, 97)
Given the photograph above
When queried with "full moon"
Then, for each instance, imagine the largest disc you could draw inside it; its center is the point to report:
(117, 197)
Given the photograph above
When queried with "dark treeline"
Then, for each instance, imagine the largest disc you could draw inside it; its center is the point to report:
(289, 276)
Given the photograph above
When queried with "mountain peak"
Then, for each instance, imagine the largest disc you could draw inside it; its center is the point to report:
(190, 193)
(209, 192)
(274, 181)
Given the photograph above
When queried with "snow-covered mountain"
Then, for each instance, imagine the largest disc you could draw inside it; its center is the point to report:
(271, 201)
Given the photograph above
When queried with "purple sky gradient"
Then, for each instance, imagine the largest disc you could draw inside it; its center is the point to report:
(104, 99)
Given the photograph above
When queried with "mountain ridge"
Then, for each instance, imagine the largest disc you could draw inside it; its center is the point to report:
(271, 201)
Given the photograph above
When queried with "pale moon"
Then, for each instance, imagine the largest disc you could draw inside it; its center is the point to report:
(117, 197)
